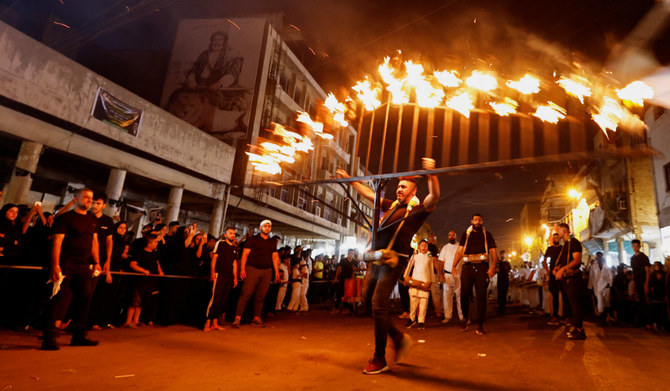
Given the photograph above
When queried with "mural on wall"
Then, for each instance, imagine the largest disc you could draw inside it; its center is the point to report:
(212, 73)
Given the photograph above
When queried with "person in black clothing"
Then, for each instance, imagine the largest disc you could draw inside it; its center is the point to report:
(10, 234)
(619, 297)
(657, 298)
(223, 273)
(568, 272)
(551, 255)
(402, 219)
(259, 258)
(105, 231)
(641, 265)
(74, 242)
(477, 249)
(344, 271)
(145, 262)
(503, 282)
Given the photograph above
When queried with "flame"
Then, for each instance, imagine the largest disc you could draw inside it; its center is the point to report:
(551, 113)
(426, 94)
(447, 78)
(461, 103)
(504, 108)
(608, 115)
(337, 109)
(317, 127)
(395, 86)
(526, 85)
(267, 164)
(368, 94)
(635, 93)
(575, 86)
(482, 81)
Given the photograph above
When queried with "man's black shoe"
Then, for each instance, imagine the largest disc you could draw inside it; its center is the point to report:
(83, 341)
(49, 344)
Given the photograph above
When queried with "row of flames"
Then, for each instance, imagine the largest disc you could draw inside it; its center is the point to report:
(609, 107)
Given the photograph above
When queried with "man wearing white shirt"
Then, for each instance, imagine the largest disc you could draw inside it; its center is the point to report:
(451, 279)
(600, 280)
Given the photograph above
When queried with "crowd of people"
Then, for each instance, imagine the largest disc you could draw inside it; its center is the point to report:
(167, 274)
(107, 276)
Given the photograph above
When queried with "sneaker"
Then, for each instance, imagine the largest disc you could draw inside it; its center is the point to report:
(236, 324)
(402, 347)
(375, 366)
(83, 341)
(49, 344)
(257, 323)
(480, 331)
(577, 334)
(410, 323)
(404, 315)
(422, 326)
(445, 320)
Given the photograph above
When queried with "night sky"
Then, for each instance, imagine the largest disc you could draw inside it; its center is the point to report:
(349, 38)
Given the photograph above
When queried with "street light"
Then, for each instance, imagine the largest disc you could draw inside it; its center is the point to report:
(573, 193)
(528, 240)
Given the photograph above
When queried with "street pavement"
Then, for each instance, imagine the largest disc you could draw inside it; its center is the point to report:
(324, 351)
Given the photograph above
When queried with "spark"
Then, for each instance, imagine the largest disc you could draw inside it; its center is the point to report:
(608, 115)
(62, 24)
(295, 27)
(234, 24)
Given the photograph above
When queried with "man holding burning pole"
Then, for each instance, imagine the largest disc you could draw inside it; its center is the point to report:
(401, 220)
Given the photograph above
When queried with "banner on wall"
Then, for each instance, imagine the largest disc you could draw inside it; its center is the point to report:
(115, 112)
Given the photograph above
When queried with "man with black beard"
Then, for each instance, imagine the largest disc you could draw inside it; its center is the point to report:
(477, 249)
(551, 255)
(567, 271)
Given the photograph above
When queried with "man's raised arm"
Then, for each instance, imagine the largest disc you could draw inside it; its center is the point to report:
(360, 188)
(430, 202)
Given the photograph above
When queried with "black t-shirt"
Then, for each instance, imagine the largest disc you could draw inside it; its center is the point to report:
(347, 269)
(78, 230)
(104, 229)
(260, 256)
(146, 260)
(476, 243)
(10, 240)
(565, 257)
(387, 228)
(503, 270)
(552, 254)
(227, 255)
(638, 264)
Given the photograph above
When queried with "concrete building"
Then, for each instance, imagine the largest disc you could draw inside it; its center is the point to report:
(52, 142)
(658, 120)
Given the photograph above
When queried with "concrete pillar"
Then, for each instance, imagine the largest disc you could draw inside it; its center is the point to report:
(622, 251)
(216, 219)
(115, 182)
(173, 205)
(24, 169)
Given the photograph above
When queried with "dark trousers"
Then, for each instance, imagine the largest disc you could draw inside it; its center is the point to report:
(77, 287)
(503, 288)
(222, 289)
(404, 297)
(642, 307)
(378, 293)
(105, 306)
(574, 288)
(555, 289)
(474, 274)
(257, 283)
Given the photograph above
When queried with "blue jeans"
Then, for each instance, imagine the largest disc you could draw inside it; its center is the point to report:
(380, 285)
